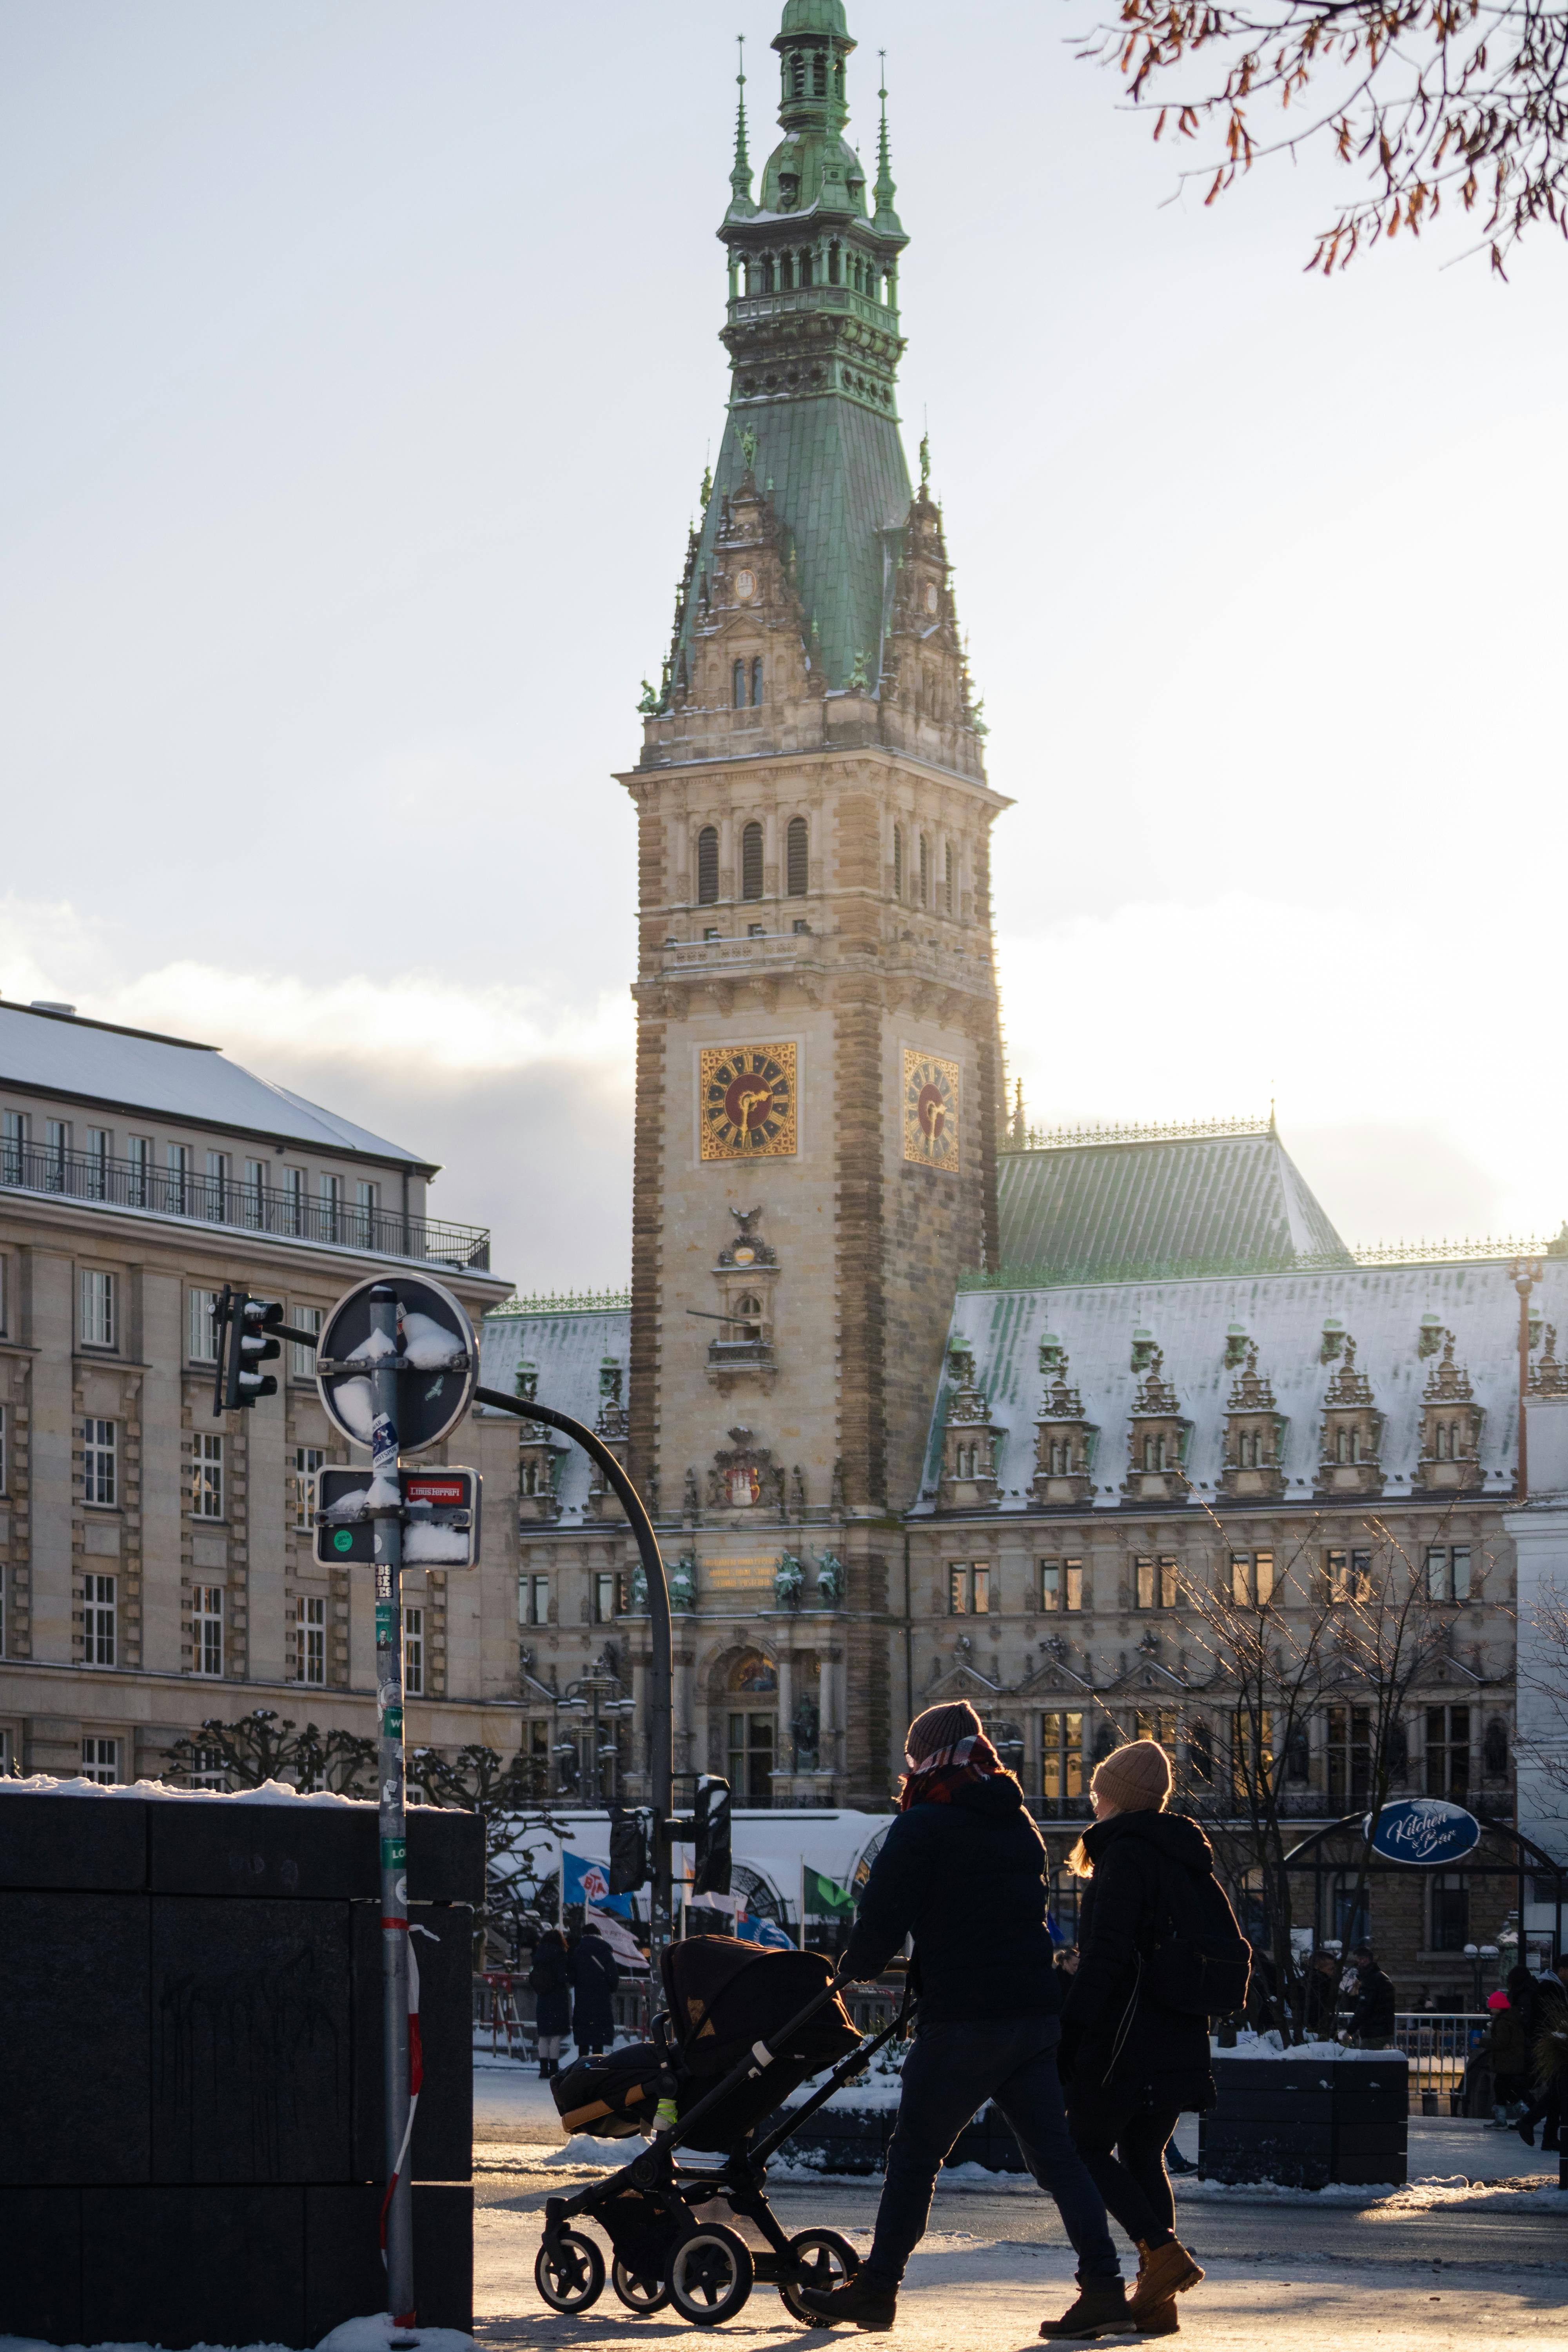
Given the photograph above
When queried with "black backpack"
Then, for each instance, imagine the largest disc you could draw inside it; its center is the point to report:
(1198, 1960)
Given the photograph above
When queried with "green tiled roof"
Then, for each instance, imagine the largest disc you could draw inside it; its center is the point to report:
(1100, 1211)
(837, 476)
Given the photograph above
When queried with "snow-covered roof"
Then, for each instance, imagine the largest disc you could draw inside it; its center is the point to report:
(1381, 1307)
(1159, 1203)
(568, 1349)
(132, 1070)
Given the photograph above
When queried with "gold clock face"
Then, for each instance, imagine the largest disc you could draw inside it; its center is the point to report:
(748, 1102)
(930, 1112)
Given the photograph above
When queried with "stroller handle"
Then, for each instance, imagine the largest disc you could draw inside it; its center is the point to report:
(746, 2069)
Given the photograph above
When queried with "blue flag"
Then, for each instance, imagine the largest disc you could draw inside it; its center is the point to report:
(587, 1881)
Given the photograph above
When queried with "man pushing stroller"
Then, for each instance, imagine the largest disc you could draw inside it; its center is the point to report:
(964, 1871)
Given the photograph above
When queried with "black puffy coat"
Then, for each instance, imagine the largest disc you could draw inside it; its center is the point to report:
(967, 1880)
(1164, 2053)
(547, 1980)
(595, 1974)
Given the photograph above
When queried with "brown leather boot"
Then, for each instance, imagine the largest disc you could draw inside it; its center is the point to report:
(1102, 2309)
(1163, 2272)
(1161, 2319)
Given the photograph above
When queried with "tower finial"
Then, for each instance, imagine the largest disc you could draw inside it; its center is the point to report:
(884, 190)
(742, 175)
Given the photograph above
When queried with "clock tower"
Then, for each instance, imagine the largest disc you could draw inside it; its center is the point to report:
(819, 1084)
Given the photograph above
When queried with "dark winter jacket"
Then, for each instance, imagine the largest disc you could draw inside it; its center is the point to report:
(592, 1966)
(1322, 2001)
(967, 1880)
(1509, 2043)
(547, 1979)
(1372, 2019)
(1164, 2053)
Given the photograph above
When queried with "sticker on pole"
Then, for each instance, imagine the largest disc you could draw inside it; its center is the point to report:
(1426, 1830)
(436, 1357)
(440, 1519)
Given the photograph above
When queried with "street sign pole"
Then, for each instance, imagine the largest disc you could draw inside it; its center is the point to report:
(398, 2213)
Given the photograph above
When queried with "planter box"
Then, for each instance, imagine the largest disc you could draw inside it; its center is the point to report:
(190, 2069)
(856, 2139)
(1305, 2121)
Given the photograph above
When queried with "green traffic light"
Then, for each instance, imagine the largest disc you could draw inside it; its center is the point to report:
(342, 1541)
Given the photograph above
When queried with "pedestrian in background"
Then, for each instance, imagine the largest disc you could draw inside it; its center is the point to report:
(1371, 2018)
(595, 1974)
(1321, 2010)
(1131, 2064)
(1509, 2043)
(964, 1871)
(552, 2000)
(1549, 2018)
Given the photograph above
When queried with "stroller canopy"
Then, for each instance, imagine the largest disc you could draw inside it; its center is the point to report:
(723, 1995)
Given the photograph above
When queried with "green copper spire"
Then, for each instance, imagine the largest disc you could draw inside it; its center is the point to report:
(741, 204)
(813, 336)
(885, 218)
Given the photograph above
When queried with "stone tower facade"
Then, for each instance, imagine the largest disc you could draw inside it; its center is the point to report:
(818, 1059)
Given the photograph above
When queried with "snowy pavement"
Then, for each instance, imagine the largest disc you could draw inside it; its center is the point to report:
(990, 2295)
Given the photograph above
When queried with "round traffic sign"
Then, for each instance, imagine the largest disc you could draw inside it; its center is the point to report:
(435, 1343)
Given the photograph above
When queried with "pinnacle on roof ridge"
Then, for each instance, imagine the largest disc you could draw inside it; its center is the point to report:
(740, 172)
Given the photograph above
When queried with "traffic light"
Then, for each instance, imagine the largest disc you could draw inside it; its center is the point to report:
(245, 1329)
(710, 1837)
(628, 1852)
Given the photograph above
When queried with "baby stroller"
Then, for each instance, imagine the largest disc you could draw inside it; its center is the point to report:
(741, 2030)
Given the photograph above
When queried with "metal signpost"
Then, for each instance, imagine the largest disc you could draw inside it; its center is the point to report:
(396, 1367)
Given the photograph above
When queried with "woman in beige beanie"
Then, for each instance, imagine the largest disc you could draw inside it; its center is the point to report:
(1131, 2065)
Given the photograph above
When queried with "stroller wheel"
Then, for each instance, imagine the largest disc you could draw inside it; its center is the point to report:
(569, 2271)
(828, 2261)
(711, 2274)
(636, 2293)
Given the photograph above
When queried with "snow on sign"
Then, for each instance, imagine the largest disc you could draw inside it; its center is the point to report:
(1426, 1830)
(437, 1360)
(440, 1517)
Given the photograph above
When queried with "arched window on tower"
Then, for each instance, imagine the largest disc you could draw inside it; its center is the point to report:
(925, 873)
(947, 877)
(749, 1316)
(756, 681)
(752, 861)
(796, 74)
(898, 861)
(738, 686)
(797, 845)
(708, 865)
(820, 76)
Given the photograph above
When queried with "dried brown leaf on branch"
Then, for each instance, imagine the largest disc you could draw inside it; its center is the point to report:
(1419, 96)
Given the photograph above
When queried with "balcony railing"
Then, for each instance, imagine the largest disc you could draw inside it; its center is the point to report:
(257, 1208)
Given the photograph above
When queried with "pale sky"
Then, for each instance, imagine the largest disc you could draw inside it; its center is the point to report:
(361, 362)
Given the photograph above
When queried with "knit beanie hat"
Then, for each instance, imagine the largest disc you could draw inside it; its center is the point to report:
(939, 1729)
(1135, 1777)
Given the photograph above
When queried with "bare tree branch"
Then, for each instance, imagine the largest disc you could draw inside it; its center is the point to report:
(1459, 99)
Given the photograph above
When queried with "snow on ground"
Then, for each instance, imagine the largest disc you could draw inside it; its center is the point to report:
(990, 2295)
(369, 2335)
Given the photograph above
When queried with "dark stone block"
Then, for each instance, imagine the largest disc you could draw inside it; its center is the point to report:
(343, 2273)
(98, 1844)
(195, 2264)
(292, 1851)
(279, 1851)
(74, 2076)
(446, 1855)
(443, 2123)
(40, 2266)
(252, 2041)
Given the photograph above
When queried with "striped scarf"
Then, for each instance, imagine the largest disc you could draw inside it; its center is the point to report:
(935, 1780)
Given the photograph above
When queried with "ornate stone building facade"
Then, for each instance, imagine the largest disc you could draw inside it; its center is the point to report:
(925, 1405)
